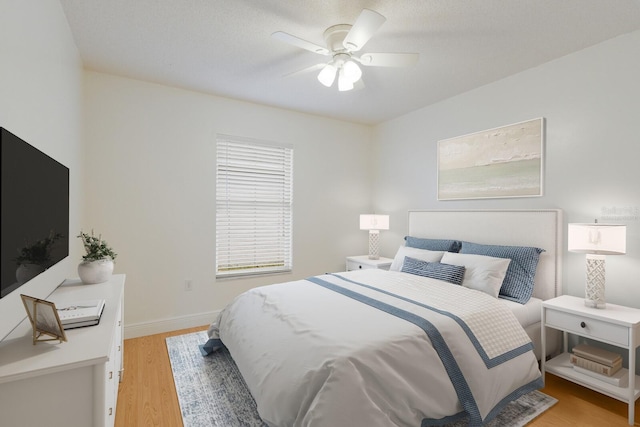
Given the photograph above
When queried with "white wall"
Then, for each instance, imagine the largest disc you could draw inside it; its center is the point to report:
(41, 102)
(151, 192)
(147, 151)
(591, 102)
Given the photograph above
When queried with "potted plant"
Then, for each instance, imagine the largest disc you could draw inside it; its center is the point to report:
(97, 264)
(34, 258)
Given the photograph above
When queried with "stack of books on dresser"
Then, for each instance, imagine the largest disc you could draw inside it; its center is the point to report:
(81, 313)
(599, 363)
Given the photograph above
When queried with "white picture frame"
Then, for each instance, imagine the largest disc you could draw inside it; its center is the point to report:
(507, 161)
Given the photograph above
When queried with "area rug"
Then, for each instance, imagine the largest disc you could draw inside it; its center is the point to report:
(211, 390)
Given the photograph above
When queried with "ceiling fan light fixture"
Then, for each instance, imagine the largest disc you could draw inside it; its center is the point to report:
(351, 71)
(327, 75)
(344, 83)
(342, 41)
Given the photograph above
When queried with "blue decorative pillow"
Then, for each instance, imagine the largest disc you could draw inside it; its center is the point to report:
(433, 244)
(519, 280)
(435, 270)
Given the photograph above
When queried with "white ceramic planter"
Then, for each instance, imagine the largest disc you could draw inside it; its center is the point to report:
(26, 272)
(92, 272)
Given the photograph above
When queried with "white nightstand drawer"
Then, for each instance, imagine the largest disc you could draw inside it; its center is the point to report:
(353, 265)
(588, 327)
(363, 262)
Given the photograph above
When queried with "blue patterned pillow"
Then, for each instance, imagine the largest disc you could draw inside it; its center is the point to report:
(518, 283)
(435, 270)
(433, 244)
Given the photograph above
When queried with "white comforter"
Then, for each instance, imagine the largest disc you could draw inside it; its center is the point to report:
(326, 351)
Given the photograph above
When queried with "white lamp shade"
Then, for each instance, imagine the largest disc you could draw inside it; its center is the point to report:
(351, 71)
(327, 75)
(374, 222)
(344, 84)
(594, 238)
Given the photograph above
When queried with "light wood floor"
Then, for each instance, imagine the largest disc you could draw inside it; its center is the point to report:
(147, 395)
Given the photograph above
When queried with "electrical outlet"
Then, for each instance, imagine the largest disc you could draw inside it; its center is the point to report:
(188, 285)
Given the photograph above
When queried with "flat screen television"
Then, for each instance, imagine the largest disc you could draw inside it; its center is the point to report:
(35, 215)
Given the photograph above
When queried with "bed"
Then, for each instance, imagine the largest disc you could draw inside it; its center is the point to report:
(377, 348)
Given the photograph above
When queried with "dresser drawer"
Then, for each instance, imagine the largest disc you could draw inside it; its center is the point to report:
(587, 327)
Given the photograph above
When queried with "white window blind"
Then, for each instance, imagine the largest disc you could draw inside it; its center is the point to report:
(253, 206)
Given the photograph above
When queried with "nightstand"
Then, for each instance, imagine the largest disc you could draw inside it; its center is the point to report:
(361, 262)
(616, 325)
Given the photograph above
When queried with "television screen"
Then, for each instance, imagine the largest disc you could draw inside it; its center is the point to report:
(35, 212)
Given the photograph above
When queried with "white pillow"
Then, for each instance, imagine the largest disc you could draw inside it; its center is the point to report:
(421, 254)
(483, 273)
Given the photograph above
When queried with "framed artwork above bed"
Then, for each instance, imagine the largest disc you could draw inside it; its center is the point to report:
(495, 163)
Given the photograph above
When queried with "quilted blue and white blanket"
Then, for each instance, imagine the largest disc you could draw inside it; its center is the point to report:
(376, 348)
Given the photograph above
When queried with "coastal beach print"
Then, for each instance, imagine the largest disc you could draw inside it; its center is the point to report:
(500, 162)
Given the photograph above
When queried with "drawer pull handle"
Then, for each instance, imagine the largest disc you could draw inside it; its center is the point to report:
(359, 266)
(583, 325)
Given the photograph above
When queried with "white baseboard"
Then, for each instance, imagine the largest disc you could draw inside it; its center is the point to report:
(168, 325)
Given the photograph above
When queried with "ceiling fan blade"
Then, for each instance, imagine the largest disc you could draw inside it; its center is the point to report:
(298, 42)
(305, 70)
(388, 59)
(365, 26)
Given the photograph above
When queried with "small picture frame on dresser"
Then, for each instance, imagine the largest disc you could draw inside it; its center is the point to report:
(44, 320)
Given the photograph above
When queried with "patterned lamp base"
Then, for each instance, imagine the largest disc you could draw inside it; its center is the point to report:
(374, 244)
(594, 291)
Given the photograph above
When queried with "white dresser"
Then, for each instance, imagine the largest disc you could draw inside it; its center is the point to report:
(71, 384)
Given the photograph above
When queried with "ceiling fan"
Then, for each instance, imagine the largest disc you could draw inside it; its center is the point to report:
(343, 41)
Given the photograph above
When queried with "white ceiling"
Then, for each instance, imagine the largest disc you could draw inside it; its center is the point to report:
(224, 47)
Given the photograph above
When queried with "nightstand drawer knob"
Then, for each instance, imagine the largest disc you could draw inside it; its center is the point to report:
(360, 266)
(583, 325)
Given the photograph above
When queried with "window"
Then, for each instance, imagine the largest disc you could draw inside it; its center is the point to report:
(253, 206)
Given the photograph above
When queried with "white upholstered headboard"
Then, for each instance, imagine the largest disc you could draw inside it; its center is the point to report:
(539, 228)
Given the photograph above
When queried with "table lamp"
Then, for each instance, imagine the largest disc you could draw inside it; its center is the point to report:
(597, 240)
(374, 223)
